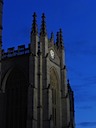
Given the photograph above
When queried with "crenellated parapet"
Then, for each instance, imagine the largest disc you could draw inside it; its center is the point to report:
(12, 52)
(35, 41)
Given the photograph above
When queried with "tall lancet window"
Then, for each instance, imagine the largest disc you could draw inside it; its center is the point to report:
(55, 90)
(16, 100)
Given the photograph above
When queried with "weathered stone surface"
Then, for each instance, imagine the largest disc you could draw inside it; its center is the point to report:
(33, 90)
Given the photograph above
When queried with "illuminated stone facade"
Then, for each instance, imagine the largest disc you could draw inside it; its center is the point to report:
(34, 92)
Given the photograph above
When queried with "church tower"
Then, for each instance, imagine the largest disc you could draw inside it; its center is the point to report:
(34, 91)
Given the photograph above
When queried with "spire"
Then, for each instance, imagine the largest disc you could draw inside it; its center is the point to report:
(58, 39)
(61, 38)
(34, 25)
(43, 26)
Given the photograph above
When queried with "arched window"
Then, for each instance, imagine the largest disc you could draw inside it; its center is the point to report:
(55, 90)
(16, 100)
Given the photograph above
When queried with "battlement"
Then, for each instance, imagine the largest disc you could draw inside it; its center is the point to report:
(11, 52)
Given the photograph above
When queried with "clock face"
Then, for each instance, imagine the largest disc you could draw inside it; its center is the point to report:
(52, 54)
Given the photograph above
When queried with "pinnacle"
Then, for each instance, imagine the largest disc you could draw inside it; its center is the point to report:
(43, 26)
(61, 38)
(58, 39)
(34, 15)
(43, 16)
(34, 25)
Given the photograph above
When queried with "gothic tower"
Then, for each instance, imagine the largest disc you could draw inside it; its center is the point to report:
(34, 91)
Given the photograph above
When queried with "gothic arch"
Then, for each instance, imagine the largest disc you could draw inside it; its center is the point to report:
(54, 76)
(16, 98)
(6, 76)
(54, 84)
(5, 79)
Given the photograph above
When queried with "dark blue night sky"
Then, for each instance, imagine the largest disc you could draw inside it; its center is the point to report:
(77, 18)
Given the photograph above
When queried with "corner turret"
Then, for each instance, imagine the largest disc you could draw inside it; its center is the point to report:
(43, 30)
(34, 25)
(43, 37)
(34, 36)
(61, 38)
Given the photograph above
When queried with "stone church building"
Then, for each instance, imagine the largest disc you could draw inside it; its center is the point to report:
(34, 91)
